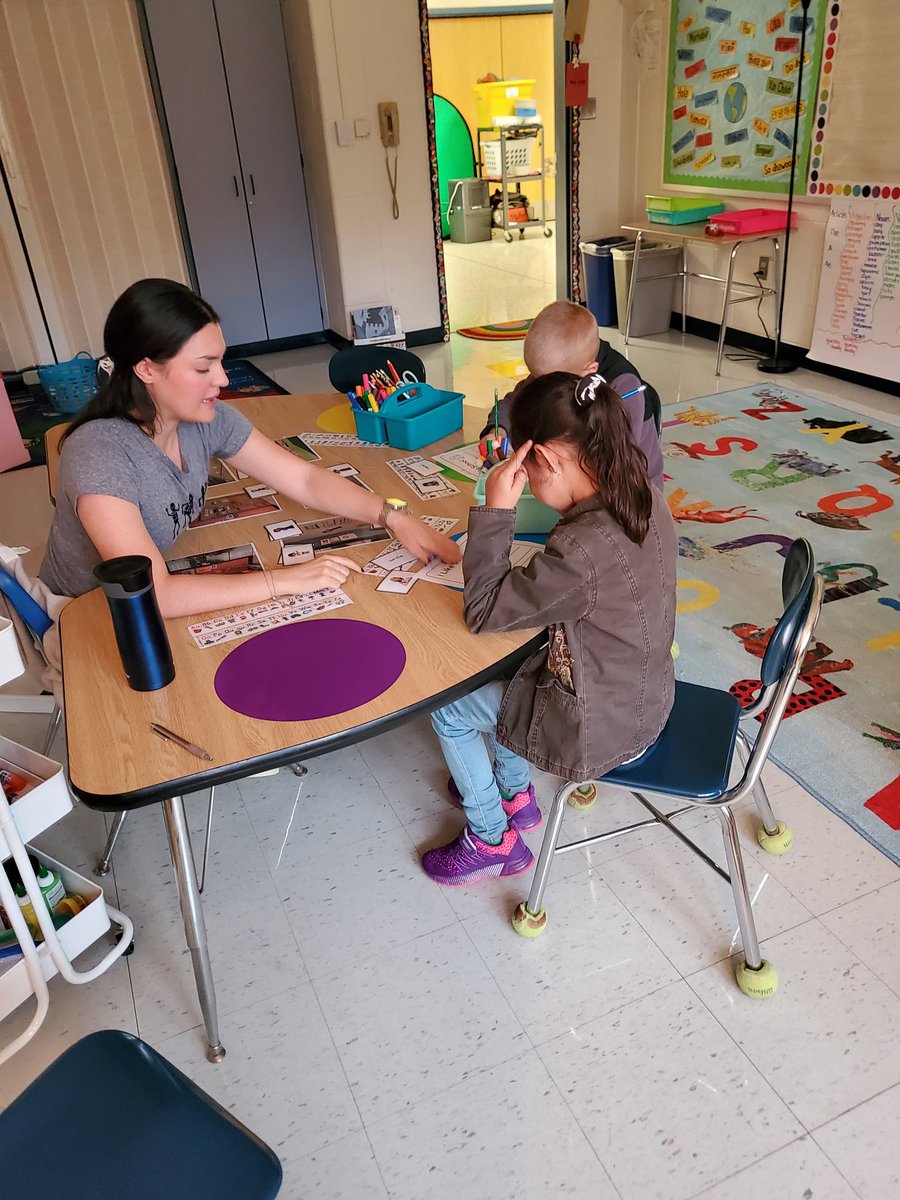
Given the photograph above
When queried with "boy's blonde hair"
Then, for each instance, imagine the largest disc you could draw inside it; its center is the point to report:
(562, 337)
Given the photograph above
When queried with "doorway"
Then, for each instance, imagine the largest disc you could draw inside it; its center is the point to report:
(493, 69)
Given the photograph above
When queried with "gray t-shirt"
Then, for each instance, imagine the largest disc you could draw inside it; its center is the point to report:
(114, 457)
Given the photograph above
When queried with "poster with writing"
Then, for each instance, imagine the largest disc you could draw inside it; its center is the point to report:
(857, 324)
(732, 92)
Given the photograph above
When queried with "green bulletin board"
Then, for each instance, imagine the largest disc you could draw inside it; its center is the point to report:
(732, 90)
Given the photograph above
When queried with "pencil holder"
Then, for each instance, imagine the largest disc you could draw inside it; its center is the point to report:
(370, 427)
(418, 414)
(139, 629)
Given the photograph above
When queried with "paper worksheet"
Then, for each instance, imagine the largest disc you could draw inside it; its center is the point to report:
(428, 487)
(465, 460)
(230, 626)
(451, 574)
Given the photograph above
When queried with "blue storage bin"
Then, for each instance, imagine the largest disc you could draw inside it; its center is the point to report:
(418, 414)
(370, 427)
(597, 271)
(69, 385)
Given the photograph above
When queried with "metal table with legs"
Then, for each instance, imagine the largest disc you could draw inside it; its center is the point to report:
(734, 291)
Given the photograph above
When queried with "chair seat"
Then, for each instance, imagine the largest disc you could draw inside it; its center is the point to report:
(691, 758)
(111, 1118)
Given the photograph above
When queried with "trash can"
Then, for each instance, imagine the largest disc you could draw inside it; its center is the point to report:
(652, 308)
(469, 210)
(597, 268)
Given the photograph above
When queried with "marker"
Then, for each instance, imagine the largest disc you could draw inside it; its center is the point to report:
(504, 446)
(366, 384)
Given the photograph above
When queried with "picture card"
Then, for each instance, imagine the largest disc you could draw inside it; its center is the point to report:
(451, 575)
(286, 609)
(233, 506)
(330, 533)
(230, 560)
(297, 445)
(290, 555)
(280, 530)
(395, 556)
(426, 488)
(256, 490)
(397, 582)
(465, 460)
(425, 467)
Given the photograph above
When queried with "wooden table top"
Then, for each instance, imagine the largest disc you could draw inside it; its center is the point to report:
(695, 231)
(114, 759)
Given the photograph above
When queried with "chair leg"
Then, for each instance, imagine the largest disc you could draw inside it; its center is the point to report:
(529, 919)
(755, 976)
(773, 836)
(102, 867)
(52, 730)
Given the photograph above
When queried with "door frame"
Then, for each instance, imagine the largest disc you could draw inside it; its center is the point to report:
(566, 156)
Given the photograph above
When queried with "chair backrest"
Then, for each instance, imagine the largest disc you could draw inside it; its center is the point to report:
(25, 606)
(796, 589)
(347, 367)
(112, 1117)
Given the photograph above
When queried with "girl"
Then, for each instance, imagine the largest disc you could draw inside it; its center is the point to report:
(601, 691)
(134, 463)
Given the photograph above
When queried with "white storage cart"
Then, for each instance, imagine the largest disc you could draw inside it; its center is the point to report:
(507, 156)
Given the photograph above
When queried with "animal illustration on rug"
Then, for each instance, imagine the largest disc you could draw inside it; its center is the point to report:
(833, 520)
(815, 667)
(890, 462)
(703, 511)
(887, 736)
(798, 461)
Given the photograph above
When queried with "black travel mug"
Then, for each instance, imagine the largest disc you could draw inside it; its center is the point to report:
(140, 632)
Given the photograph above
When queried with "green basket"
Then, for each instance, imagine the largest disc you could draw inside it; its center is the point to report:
(674, 203)
(69, 385)
(532, 516)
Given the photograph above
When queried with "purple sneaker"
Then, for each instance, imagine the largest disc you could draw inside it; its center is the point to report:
(467, 859)
(522, 811)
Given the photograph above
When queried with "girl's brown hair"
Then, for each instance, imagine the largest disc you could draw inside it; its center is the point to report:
(589, 416)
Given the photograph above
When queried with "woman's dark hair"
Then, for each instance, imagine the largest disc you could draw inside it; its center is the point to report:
(589, 416)
(151, 319)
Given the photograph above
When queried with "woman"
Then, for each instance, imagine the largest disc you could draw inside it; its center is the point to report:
(134, 463)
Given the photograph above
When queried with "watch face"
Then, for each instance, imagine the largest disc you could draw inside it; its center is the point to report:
(395, 503)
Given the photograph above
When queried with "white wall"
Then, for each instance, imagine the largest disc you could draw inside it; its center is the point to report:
(346, 56)
(622, 159)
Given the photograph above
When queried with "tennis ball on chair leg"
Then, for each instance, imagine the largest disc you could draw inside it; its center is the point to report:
(529, 925)
(584, 796)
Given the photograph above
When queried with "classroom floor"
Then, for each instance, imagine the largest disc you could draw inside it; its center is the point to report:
(390, 1038)
(499, 281)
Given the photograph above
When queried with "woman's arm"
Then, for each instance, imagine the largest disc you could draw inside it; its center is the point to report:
(116, 527)
(328, 492)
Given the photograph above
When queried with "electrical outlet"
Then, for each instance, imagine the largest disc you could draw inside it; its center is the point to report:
(762, 271)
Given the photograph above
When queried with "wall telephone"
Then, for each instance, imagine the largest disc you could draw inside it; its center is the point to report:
(389, 122)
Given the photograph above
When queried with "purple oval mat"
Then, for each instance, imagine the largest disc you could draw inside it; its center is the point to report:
(316, 668)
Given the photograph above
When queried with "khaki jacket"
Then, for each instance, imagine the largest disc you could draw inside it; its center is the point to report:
(601, 691)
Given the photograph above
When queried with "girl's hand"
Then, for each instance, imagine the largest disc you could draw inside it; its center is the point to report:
(329, 571)
(506, 483)
(422, 541)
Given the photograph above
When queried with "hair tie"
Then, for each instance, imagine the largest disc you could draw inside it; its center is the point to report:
(586, 389)
(106, 365)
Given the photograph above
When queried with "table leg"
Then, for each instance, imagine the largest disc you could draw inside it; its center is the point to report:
(631, 289)
(194, 925)
(723, 325)
(779, 284)
(684, 279)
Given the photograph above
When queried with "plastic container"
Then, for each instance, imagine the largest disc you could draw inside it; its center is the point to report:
(683, 216)
(140, 633)
(674, 203)
(69, 385)
(418, 414)
(498, 99)
(753, 220)
(532, 516)
(469, 210)
(597, 268)
(517, 151)
(370, 427)
(42, 806)
(652, 308)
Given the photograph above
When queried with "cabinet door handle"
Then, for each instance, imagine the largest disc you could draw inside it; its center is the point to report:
(252, 187)
(236, 188)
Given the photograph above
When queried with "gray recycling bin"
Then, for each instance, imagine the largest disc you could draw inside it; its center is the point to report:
(469, 210)
(652, 311)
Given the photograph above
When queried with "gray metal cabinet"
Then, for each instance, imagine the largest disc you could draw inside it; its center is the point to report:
(226, 95)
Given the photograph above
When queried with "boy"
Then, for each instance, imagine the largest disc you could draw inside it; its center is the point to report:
(564, 337)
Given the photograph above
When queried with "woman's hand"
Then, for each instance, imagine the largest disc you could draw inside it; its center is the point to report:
(422, 541)
(506, 483)
(329, 571)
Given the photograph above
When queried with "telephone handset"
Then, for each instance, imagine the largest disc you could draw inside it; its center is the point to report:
(389, 122)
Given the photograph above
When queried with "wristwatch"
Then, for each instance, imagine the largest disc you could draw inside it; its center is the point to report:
(390, 508)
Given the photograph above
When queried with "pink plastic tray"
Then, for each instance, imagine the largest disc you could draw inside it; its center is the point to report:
(751, 220)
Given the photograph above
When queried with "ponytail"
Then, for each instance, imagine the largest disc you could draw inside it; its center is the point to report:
(589, 416)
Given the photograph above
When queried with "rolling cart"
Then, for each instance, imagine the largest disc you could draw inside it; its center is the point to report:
(506, 157)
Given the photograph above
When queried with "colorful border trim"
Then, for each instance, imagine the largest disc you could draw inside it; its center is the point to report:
(816, 184)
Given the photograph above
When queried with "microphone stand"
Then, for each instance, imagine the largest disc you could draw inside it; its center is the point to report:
(779, 363)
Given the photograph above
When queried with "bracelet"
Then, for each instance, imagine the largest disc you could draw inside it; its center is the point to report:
(270, 580)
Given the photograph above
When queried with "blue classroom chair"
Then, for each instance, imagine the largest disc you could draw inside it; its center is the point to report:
(692, 761)
(111, 1119)
(37, 621)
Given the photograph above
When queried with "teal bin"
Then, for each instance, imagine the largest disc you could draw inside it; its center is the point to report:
(418, 414)
(370, 427)
(532, 515)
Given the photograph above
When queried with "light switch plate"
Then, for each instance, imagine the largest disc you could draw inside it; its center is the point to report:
(344, 131)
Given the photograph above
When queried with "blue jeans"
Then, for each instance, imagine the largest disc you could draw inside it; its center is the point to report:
(460, 728)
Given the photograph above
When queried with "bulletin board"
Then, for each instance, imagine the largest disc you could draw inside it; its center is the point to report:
(732, 92)
(856, 143)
